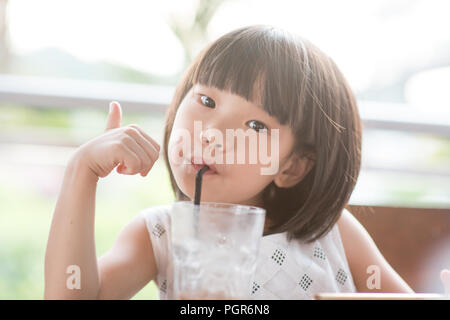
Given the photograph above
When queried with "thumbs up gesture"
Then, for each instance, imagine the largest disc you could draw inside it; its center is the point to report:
(128, 148)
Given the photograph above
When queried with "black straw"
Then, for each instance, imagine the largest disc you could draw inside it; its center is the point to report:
(198, 183)
(198, 191)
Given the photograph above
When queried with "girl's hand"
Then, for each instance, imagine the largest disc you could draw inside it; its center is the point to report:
(445, 278)
(129, 147)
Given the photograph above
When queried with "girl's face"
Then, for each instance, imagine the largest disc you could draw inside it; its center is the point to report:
(206, 117)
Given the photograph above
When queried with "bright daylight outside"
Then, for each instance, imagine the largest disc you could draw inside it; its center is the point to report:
(62, 62)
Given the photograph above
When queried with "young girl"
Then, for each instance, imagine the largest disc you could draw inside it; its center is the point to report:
(255, 78)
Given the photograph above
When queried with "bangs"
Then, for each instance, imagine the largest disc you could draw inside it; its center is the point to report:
(252, 67)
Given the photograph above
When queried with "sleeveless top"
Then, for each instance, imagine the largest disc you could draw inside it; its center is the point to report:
(284, 270)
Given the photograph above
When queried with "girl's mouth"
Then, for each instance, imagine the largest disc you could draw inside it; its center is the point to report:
(200, 164)
(197, 167)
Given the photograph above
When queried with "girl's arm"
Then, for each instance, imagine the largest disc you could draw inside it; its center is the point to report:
(71, 239)
(119, 274)
(361, 253)
(129, 265)
(70, 257)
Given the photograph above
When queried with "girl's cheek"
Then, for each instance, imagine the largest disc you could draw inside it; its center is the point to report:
(176, 150)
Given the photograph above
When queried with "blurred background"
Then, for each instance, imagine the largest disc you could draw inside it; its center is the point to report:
(61, 62)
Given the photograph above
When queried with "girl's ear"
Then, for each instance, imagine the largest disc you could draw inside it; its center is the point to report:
(294, 170)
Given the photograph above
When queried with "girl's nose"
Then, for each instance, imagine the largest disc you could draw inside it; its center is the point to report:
(206, 140)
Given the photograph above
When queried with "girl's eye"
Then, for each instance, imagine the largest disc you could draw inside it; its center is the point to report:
(207, 101)
(257, 125)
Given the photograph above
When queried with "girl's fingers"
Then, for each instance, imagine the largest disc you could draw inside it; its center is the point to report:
(153, 141)
(141, 138)
(129, 160)
(147, 145)
(146, 162)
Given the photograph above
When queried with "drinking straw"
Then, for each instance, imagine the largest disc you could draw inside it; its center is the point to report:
(198, 183)
(198, 191)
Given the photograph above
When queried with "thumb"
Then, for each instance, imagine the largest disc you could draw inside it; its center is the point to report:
(114, 119)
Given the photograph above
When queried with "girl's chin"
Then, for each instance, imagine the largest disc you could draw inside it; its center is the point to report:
(209, 185)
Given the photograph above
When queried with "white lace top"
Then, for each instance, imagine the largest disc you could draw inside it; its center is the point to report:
(285, 270)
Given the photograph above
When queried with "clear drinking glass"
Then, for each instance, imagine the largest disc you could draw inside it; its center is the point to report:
(215, 247)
